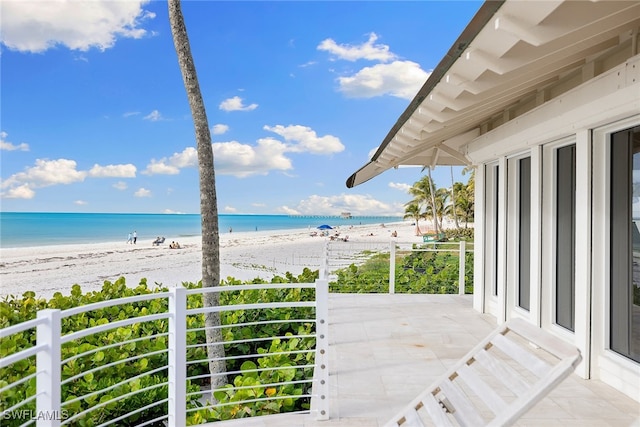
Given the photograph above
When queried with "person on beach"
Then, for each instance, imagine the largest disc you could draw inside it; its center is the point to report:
(135, 237)
(129, 238)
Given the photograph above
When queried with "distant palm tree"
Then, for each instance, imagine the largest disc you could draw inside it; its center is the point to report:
(453, 199)
(440, 199)
(412, 211)
(421, 192)
(433, 202)
(208, 197)
(465, 204)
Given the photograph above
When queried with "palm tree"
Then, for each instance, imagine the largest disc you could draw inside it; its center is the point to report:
(412, 211)
(422, 191)
(440, 199)
(453, 199)
(464, 203)
(208, 197)
(433, 202)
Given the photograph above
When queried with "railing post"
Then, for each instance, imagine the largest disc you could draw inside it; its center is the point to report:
(324, 268)
(48, 411)
(461, 275)
(320, 399)
(392, 266)
(177, 357)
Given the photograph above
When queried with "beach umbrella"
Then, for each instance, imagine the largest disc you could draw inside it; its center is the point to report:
(325, 227)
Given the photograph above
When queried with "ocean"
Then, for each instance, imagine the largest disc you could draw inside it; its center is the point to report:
(24, 229)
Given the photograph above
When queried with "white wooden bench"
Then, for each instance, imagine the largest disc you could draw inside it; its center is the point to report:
(496, 382)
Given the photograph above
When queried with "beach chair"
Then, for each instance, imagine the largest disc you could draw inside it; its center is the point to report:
(433, 237)
(496, 382)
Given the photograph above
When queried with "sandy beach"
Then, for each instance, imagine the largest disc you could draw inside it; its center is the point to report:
(244, 256)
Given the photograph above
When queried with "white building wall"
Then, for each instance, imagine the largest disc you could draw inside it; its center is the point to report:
(608, 101)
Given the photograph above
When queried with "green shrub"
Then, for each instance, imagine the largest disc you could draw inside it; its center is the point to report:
(416, 272)
(119, 348)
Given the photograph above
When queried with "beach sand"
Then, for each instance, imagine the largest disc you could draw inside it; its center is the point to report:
(244, 256)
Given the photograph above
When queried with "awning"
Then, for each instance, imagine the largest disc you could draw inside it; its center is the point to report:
(500, 67)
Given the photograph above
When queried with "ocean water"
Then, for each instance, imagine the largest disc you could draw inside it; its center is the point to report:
(23, 229)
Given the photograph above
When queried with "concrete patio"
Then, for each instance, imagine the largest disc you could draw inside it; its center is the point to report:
(385, 349)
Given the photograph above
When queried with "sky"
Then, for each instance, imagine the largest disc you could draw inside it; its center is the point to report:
(94, 116)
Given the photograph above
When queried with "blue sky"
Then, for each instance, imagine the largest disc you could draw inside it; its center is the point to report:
(94, 115)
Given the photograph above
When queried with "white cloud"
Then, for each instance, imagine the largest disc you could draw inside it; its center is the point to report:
(287, 210)
(19, 192)
(142, 192)
(172, 165)
(236, 104)
(357, 204)
(120, 185)
(230, 158)
(8, 146)
(113, 171)
(367, 50)
(80, 202)
(35, 26)
(306, 140)
(46, 173)
(401, 79)
(372, 152)
(219, 129)
(130, 114)
(154, 116)
(161, 167)
(188, 158)
(243, 160)
(400, 186)
(230, 209)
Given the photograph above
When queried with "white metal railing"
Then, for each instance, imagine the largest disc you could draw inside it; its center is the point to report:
(340, 255)
(64, 358)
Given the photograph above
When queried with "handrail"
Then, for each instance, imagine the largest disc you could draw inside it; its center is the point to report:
(60, 367)
(340, 255)
(110, 303)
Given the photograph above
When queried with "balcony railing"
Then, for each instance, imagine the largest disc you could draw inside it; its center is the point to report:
(153, 350)
(340, 255)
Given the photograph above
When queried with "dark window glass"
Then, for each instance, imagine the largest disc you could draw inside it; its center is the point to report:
(524, 253)
(565, 236)
(625, 243)
(496, 194)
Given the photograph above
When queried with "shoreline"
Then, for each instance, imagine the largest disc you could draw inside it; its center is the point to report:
(243, 255)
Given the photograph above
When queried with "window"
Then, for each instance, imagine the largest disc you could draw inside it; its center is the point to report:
(625, 243)
(524, 233)
(491, 222)
(565, 283)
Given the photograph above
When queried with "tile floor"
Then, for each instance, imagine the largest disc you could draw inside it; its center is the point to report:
(385, 349)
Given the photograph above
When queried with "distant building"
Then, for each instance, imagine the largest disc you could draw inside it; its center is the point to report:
(346, 215)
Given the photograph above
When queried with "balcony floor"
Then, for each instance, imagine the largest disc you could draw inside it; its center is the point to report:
(385, 349)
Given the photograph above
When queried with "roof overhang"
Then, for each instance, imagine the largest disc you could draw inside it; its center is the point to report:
(504, 63)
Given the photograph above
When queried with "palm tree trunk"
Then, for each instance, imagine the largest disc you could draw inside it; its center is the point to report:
(433, 202)
(208, 198)
(453, 200)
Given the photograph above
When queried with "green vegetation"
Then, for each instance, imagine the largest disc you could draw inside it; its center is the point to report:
(418, 271)
(430, 202)
(110, 361)
(126, 366)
